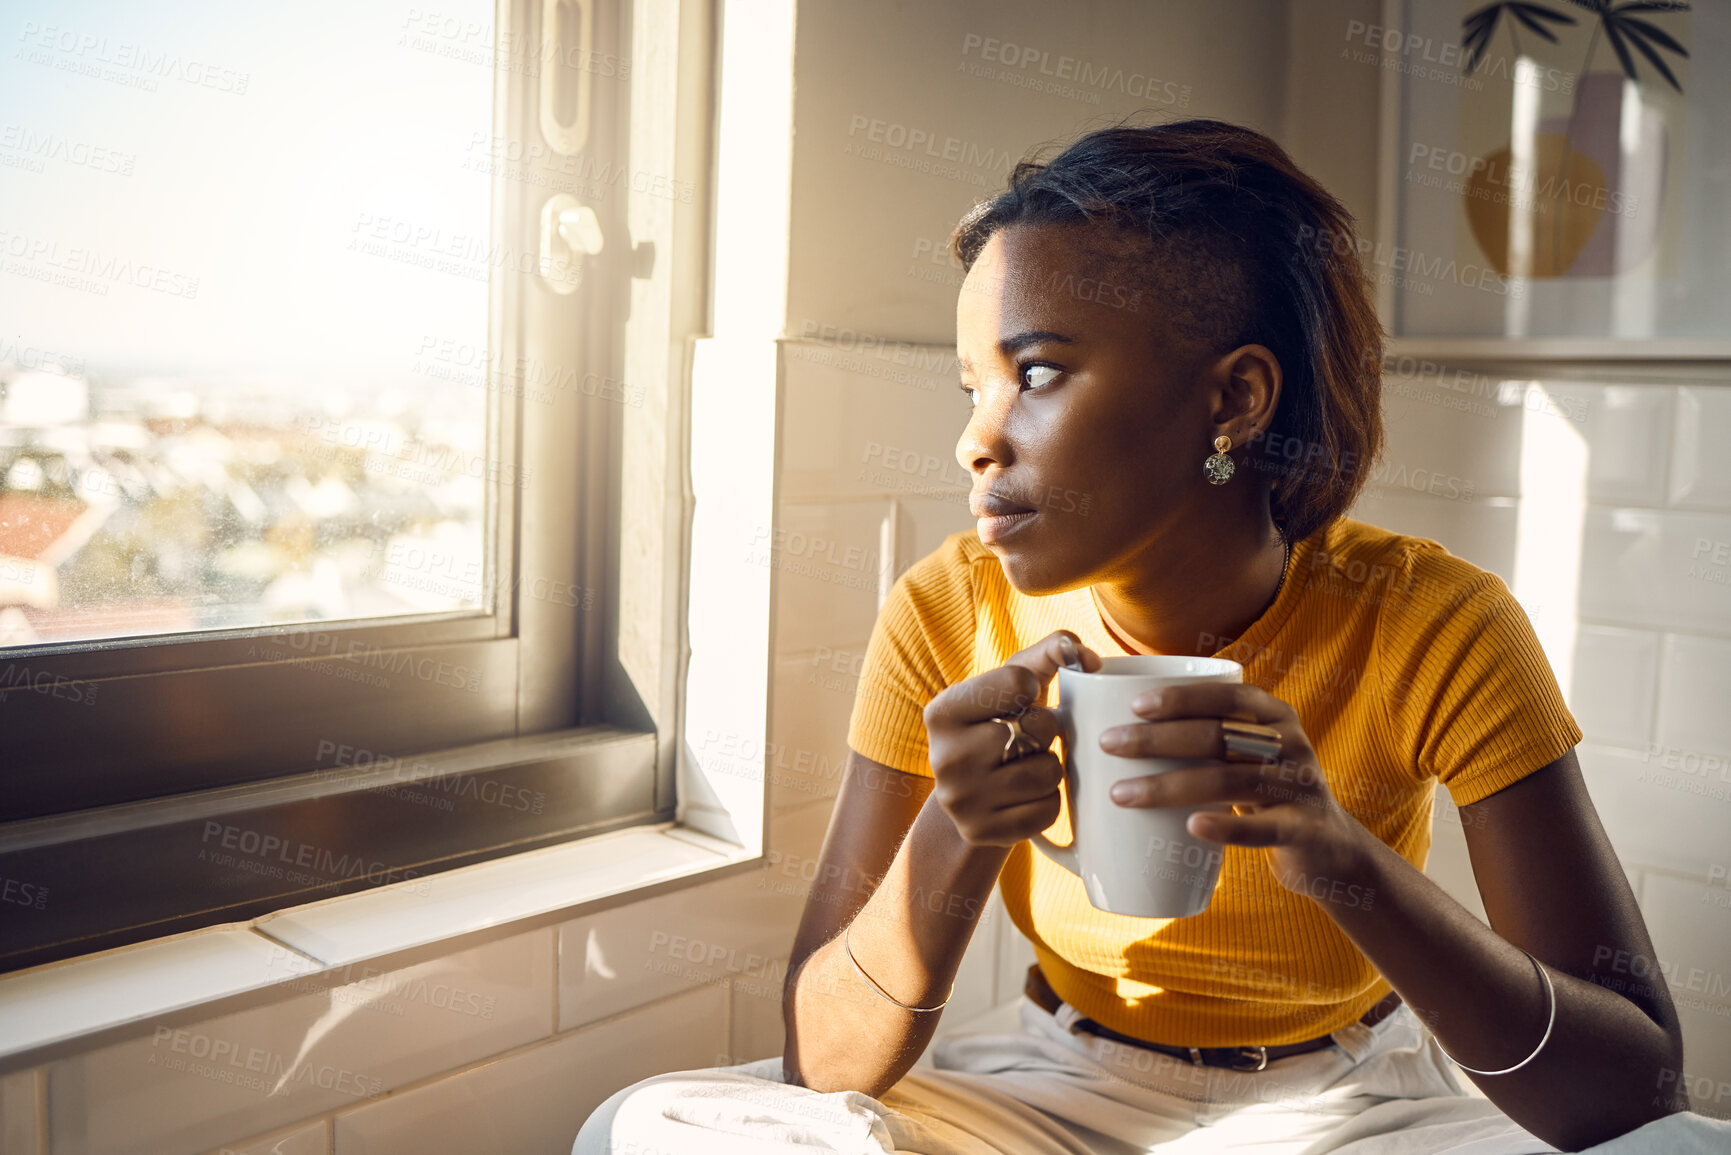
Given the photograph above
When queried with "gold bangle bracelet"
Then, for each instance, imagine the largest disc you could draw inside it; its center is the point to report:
(848, 946)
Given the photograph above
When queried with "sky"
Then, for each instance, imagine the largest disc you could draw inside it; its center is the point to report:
(261, 140)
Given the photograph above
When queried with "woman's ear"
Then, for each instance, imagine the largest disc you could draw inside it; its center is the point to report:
(1247, 382)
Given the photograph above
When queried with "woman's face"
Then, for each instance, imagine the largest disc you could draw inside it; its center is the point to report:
(1088, 410)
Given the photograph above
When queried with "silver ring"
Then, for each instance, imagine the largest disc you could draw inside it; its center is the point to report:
(1020, 743)
(1249, 742)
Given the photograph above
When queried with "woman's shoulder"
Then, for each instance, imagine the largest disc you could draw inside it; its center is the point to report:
(1362, 553)
(1411, 582)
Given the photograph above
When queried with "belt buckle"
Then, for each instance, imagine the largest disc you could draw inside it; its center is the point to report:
(1260, 1057)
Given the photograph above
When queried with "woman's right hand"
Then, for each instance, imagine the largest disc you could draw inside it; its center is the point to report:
(993, 803)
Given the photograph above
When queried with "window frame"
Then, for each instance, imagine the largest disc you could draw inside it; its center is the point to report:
(558, 718)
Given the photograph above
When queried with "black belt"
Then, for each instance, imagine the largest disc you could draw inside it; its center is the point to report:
(1249, 1058)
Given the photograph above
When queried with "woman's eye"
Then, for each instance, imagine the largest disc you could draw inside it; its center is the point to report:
(1033, 375)
(1030, 374)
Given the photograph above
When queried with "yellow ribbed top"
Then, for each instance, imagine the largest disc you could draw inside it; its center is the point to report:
(1405, 664)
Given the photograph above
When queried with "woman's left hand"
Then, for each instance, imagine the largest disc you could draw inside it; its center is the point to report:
(1284, 805)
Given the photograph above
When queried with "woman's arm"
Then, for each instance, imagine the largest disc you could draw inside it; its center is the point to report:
(1551, 885)
(909, 862)
(894, 866)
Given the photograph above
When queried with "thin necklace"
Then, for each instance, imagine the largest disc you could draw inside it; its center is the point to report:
(1285, 564)
(1106, 618)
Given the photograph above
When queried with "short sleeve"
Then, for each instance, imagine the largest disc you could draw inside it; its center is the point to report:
(922, 641)
(1469, 693)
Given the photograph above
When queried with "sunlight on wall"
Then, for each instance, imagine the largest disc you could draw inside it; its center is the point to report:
(1548, 524)
(754, 140)
(734, 425)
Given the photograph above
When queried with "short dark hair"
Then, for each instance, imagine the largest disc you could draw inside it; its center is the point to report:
(1226, 229)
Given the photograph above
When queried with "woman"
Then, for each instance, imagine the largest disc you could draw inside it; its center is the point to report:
(1174, 385)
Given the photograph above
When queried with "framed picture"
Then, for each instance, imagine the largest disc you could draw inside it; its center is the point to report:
(1555, 169)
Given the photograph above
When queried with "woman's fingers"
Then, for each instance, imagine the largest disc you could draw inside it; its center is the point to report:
(1250, 784)
(1014, 686)
(1254, 830)
(1246, 703)
(1180, 738)
(993, 801)
(1012, 824)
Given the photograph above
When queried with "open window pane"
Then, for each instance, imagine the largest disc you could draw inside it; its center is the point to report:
(246, 259)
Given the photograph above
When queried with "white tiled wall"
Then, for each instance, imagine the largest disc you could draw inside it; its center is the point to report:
(1650, 675)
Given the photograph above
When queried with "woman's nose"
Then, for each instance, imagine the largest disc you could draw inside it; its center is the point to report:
(984, 442)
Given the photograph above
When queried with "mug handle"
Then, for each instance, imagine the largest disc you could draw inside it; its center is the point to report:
(1064, 856)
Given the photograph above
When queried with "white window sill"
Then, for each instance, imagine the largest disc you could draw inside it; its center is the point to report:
(60, 1008)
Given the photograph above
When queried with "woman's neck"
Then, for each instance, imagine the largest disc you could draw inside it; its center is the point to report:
(1196, 604)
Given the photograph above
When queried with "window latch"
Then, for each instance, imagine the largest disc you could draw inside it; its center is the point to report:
(569, 232)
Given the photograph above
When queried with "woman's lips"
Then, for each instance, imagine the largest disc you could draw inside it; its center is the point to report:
(997, 515)
(995, 529)
(989, 504)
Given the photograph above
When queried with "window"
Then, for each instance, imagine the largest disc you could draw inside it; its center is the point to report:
(336, 366)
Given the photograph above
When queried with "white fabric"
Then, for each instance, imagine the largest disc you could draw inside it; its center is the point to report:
(1386, 1090)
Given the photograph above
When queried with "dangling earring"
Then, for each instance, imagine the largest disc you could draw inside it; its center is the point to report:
(1218, 467)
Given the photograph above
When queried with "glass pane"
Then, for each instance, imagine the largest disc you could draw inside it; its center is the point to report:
(236, 241)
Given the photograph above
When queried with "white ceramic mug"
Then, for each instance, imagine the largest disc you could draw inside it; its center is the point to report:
(1137, 861)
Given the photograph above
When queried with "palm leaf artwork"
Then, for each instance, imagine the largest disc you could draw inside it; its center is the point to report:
(1479, 27)
(1559, 166)
(1622, 28)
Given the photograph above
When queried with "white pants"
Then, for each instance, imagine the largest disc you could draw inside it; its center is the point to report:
(1383, 1090)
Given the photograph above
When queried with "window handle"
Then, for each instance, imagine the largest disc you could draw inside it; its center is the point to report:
(580, 229)
(569, 232)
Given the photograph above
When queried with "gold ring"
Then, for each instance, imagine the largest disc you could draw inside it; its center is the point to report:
(1249, 742)
(1020, 743)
